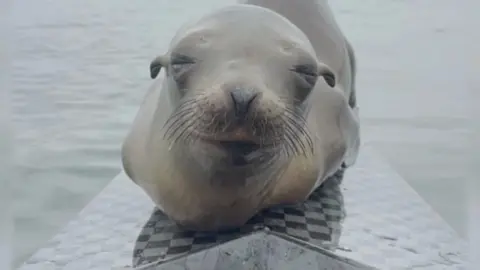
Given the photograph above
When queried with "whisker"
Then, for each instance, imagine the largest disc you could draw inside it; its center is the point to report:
(294, 137)
(177, 116)
(300, 123)
(177, 126)
(186, 124)
(288, 145)
(190, 101)
(186, 135)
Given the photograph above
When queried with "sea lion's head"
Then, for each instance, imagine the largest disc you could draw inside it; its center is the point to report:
(240, 79)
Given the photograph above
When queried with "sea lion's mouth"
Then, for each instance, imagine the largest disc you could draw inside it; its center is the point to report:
(239, 152)
(238, 141)
(239, 148)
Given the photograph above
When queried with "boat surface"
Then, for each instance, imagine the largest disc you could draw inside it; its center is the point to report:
(366, 217)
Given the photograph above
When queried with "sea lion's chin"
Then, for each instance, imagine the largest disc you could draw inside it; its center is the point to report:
(241, 153)
(234, 153)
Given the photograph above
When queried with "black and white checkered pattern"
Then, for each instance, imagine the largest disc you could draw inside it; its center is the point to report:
(317, 221)
(260, 250)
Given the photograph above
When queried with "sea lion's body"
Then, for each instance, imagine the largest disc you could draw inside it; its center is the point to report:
(197, 180)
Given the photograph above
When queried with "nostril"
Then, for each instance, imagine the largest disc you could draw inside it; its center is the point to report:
(242, 100)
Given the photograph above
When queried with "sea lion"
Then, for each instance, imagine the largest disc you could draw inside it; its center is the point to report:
(246, 112)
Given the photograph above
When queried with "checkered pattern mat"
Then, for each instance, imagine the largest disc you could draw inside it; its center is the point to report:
(317, 221)
(260, 250)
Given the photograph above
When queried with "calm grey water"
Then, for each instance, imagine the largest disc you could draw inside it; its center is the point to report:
(81, 70)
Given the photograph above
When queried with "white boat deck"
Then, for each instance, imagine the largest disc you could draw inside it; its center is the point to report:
(382, 222)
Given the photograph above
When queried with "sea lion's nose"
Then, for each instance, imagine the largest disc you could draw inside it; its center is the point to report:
(242, 100)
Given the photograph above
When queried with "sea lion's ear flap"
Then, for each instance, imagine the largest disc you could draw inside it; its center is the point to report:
(327, 74)
(157, 64)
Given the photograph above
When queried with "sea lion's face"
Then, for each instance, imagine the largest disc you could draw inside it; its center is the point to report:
(241, 87)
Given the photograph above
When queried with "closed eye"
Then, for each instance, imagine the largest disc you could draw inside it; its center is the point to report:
(179, 62)
(180, 59)
(305, 70)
